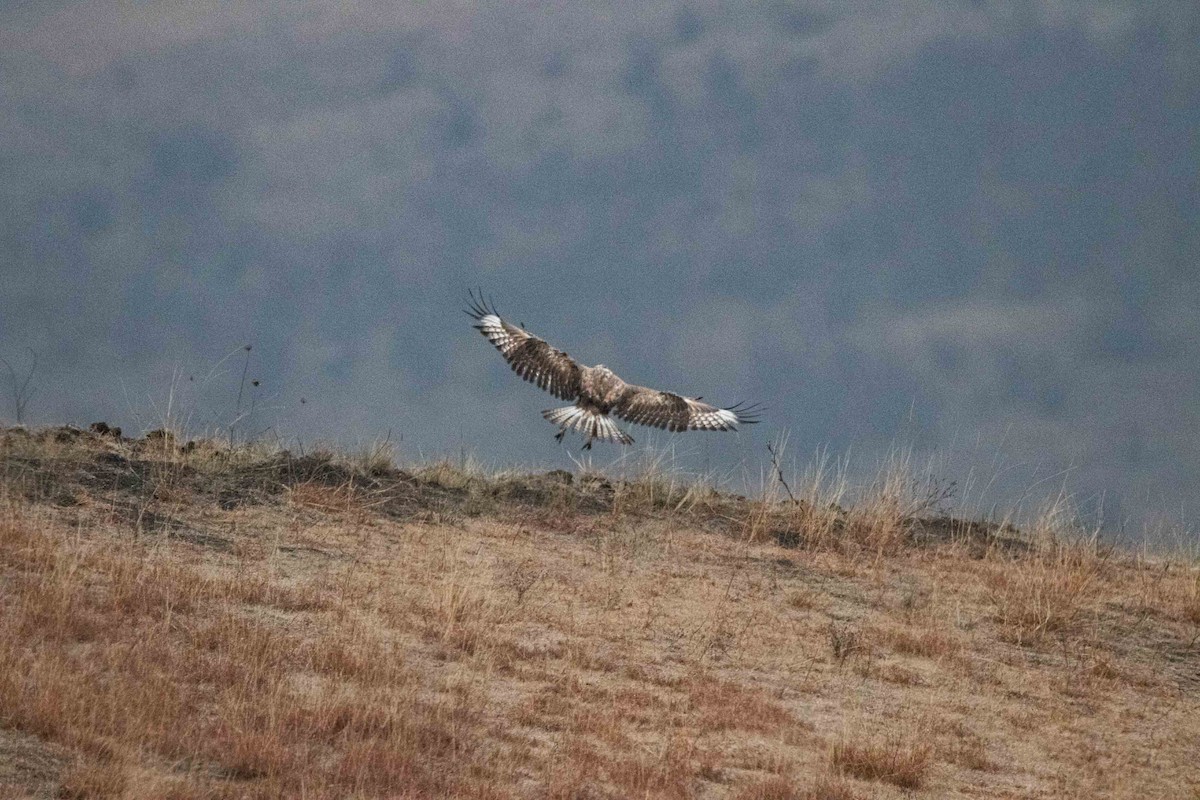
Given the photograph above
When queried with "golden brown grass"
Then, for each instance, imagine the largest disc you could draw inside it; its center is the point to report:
(215, 623)
(1045, 591)
(136, 657)
(780, 787)
(901, 763)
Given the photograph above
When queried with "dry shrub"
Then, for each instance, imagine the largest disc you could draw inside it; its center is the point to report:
(894, 761)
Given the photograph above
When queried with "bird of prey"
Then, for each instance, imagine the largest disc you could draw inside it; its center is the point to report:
(597, 391)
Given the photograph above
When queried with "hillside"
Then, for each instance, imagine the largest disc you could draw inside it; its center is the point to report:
(185, 620)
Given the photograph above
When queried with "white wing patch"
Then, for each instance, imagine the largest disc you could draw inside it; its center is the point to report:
(491, 327)
(704, 417)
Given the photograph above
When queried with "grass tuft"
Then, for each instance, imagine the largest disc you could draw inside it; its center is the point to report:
(895, 761)
(1046, 591)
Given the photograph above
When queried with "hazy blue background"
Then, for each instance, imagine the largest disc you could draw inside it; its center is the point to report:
(971, 226)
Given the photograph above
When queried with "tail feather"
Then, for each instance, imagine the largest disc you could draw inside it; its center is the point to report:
(592, 425)
(609, 432)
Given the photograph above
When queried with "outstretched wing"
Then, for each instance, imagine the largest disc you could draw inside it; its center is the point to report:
(677, 413)
(530, 357)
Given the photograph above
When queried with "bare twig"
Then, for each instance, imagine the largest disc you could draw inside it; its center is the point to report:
(241, 387)
(779, 472)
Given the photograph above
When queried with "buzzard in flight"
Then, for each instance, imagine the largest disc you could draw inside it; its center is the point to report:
(597, 391)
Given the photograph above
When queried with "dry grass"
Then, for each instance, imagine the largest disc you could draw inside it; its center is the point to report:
(200, 622)
(824, 511)
(929, 642)
(901, 763)
(1044, 592)
(136, 655)
(780, 787)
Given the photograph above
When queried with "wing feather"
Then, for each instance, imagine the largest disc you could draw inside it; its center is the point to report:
(675, 412)
(529, 356)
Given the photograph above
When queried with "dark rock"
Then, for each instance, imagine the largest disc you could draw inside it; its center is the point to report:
(104, 429)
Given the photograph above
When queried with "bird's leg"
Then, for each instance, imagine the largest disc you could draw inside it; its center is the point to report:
(587, 446)
(558, 437)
